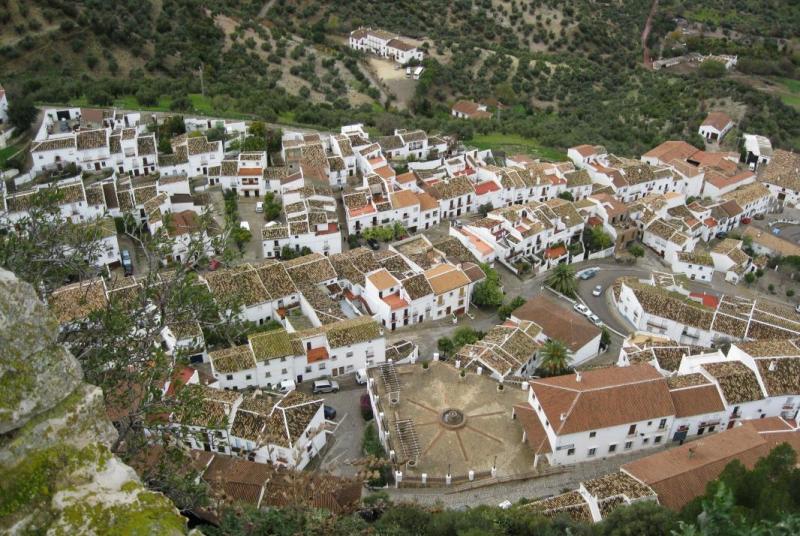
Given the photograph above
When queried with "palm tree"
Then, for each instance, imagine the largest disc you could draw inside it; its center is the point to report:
(555, 358)
(562, 279)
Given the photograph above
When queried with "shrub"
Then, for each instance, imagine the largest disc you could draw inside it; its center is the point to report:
(790, 292)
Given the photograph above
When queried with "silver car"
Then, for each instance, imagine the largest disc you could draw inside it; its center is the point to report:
(325, 386)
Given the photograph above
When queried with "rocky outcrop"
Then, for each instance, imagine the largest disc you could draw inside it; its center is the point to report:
(57, 474)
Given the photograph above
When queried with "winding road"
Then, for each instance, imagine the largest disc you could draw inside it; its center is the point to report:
(647, 60)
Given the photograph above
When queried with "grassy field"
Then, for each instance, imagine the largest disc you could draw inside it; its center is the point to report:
(5, 153)
(514, 144)
(791, 93)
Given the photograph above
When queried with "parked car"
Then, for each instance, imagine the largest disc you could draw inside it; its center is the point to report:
(366, 407)
(797, 309)
(244, 225)
(588, 273)
(758, 217)
(594, 319)
(127, 264)
(373, 244)
(582, 309)
(330, 412)
(286, 386)
(745, 221)
(325, 386)
(260, 206)
(598, 290)
(722, 235)
(361, 376)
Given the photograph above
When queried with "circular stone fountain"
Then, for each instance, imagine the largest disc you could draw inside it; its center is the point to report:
(453, 418)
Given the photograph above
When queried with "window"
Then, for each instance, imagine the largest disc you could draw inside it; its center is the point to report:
(592, 451)
(570, 452)
(646, 441)
(662, 424)
(267, 374)
(632, 429)
(248, 377)
(612, 448)
(711, 428)
(592, 434)
(349, 354)
(628, 445)
(229, 377)
(308, 370)
(322, 366)
(657, 440)
(284, 371)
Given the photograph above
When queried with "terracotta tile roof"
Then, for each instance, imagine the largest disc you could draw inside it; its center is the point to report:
(241, 282)
(535, 435)
(619, 483)
(737, 382)
(54, 144)
(602, 398)
(558, 322)
(782, 170)
(273, 344)
(680, 474)
(383, 280)
(672, 150)
(570, 504)
(445, 278)
(346, 332)
(417, 286)
(696, 400)
(234, 359)
(77, 301)
(91, 139)
(718, 120)
(781, 375)
(403, 199)
(146, 145)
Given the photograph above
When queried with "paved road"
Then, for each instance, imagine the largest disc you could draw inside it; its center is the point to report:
(344, 445)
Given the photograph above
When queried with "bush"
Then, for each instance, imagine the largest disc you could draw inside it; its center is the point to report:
(749, 277)
(771, 288)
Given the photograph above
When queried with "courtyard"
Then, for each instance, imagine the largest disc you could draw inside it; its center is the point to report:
(439, 421)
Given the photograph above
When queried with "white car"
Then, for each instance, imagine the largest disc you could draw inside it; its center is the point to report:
(594, 319)
(597, 290)
(582, 309)
(260, 206)
(244, 225)
(286, 386)
(361, 376)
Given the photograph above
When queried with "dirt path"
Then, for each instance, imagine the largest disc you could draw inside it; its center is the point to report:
(265, 8)
(648, 62)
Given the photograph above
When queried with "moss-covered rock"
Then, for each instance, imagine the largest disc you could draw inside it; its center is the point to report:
(57, 475)
(35, 372)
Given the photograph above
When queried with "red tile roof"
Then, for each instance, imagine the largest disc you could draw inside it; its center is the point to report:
(317, 354)
(486, 187)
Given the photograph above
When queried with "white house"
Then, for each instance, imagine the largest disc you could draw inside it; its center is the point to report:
(599, 413)
(758, 150)
(696, 265)
(782, 176)
(384, 44)
(715, 126)
(200, 153)
(729, 259)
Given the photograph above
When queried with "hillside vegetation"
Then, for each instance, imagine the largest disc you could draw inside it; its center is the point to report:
(568, 72)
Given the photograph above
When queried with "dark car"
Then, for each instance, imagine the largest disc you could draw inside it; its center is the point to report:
(758, 217)
(722, 235)
(127, 264)
(745, 221)
(373, 244)
(366, 407)
(330, 412)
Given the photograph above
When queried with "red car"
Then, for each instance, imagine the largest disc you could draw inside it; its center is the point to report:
(745, 221)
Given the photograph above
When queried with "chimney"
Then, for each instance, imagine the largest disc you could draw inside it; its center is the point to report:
(773, 365)
(563, 416)
(577, 375)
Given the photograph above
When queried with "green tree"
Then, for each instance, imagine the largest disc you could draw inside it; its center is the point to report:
(554, 358)
(488, 293)
(485, 209)
(636, 250)
(646, 518)
(749, 278)
(445, 346)
(505, 310)
(21, 113)
(398, 230)
(562, 279)
(272, 208)
(566, 195)
(599, 239)
(605, 337)
(711, 69)
(464, 335)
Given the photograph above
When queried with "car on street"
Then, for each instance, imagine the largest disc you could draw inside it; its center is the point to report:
(588, 273)
(745, 221)
(260, 206)
(244, 225)
(373, 244)
(797, 309)
(325, 386)
(286, 386)
(361, 376)
(582, 309)
(330, 412)
(758, 217)
(127, 264)
(594, 319)
(722, 235)
(598, 290)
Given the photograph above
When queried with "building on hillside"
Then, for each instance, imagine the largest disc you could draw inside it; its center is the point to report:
(561, 323)
(696, 265)
(285, 431)
(752, 199)
(598, 413)
(766, 243)
(467, 109)
(782, 176)
(669, 310)
(201, 154)
(312, 223)
(246, 175)
(715, 126)
(681, 474)
(507, 351)
(385, 45)
(729, 259)
(757, 150)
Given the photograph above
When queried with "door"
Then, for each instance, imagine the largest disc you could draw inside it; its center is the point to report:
(299, 378)
(97, 166)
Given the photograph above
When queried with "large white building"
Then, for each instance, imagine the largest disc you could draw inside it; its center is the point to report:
(385, 45)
